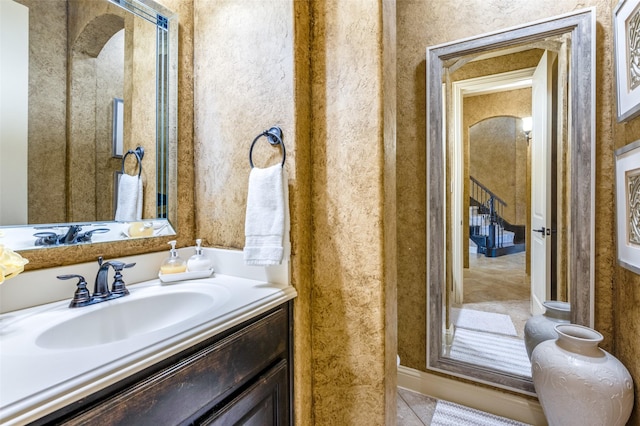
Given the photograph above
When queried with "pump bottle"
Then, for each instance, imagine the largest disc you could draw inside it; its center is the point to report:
(173, 264)
(198, 262)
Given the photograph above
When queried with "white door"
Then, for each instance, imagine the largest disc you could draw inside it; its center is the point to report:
(540, 179)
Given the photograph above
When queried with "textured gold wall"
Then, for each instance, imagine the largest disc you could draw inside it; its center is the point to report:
(626, 291)
(109, 84)
(351, 316)
(252, 72)
(47, 113)
(425, 23)
(504, 182)
(322, 85)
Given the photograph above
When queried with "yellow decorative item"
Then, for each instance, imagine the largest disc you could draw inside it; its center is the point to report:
(141, 229)
(11, 263)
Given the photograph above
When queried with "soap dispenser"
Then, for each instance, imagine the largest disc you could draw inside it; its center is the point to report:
(174, 263)
(198, 262)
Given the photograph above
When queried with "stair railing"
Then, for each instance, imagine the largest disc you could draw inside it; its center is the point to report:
(489, 220)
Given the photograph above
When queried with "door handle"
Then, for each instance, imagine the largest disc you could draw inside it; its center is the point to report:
(545, 231)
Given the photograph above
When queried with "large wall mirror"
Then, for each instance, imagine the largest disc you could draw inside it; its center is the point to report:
(89, 133)
(510, 146)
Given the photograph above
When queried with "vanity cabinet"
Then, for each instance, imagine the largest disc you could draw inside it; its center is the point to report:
(242, 376)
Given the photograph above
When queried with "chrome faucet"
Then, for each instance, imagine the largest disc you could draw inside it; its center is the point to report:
(101, 291)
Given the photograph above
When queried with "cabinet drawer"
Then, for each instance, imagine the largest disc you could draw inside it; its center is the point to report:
(191, 386)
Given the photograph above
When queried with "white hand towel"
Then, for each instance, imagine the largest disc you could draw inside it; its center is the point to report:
(264, 223)
(140, 198)
(129, 206)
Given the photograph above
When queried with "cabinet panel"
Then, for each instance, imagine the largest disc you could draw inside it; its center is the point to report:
(190, 387)
(263, 404)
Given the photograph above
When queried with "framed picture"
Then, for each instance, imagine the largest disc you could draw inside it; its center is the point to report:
(628, 206)
(118, 132)
(626, 24)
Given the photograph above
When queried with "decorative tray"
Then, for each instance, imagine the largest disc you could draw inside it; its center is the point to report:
(182, 276)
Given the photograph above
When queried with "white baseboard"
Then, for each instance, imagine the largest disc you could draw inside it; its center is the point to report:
(481, 398)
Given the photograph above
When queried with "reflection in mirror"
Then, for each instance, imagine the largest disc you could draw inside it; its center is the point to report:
(99, 83)
(510, 206)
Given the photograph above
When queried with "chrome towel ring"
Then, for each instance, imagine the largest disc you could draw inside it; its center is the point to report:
(139, 153)
(274, 136)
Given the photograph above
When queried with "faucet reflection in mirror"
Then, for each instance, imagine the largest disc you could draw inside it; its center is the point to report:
(72, 236)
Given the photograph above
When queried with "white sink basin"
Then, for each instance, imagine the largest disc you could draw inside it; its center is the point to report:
(124, 318)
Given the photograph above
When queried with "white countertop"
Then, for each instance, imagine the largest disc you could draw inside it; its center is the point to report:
(35, 381)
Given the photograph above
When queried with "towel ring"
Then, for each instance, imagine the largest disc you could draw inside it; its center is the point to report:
(274, 136)
(139, 153)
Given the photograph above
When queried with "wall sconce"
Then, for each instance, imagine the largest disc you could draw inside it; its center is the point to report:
(527, 126)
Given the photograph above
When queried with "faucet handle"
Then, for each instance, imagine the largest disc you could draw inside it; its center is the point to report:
(118, 266)
(81, 297)
(118, 283)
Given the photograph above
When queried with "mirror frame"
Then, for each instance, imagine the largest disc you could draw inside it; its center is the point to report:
(581, 25)
(166, 118)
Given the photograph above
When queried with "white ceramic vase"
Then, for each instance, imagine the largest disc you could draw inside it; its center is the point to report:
(539, 328)
(579, 383)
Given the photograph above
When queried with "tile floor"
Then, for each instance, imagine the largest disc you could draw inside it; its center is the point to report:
(415, 409)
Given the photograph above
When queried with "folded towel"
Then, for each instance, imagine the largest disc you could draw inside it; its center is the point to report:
(264, 223)
(129, 198)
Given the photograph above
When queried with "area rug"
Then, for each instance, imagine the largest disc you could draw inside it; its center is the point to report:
(450, 414)
(503, 353)
(489, 322)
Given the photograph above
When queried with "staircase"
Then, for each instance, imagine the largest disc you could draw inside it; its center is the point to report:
(488, 231)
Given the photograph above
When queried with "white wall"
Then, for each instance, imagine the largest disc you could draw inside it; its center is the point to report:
(14, 92)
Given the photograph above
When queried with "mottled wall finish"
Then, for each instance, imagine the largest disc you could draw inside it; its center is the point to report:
(301, 213)
(627, 293)
(425, 23)
(243, 85)
(328, 101)
(47, 113)
(499, 174)
(109, 84)
(350, 316)
(252, 72)
(140, 103)
(91, 26)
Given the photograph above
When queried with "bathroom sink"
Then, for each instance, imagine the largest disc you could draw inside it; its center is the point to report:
(128, 317)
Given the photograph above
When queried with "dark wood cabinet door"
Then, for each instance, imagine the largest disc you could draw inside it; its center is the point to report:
(264, 403)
